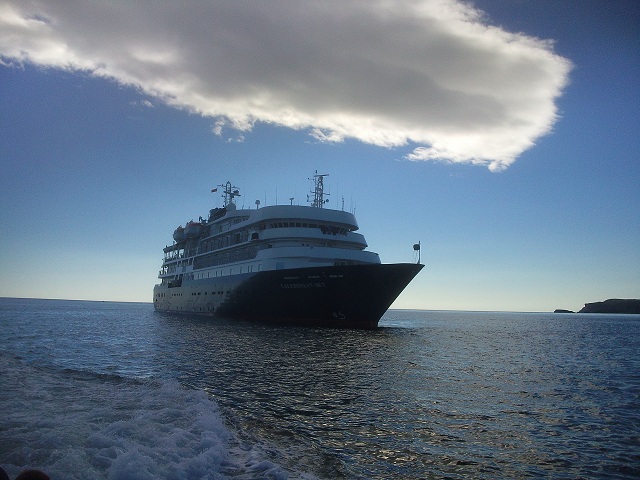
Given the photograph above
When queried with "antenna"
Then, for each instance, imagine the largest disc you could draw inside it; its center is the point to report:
(229, 193)
(318, 192)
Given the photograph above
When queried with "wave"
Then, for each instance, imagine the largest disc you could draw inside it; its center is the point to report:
(77, 425)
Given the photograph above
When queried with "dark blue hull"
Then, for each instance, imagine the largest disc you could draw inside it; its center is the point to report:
(352, 296)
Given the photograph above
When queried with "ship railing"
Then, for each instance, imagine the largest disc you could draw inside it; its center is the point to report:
(169, 258)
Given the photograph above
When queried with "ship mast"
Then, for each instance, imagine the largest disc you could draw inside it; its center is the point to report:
(229, 193)
(318, 193)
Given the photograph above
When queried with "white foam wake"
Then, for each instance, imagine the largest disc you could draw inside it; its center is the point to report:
(76, 425)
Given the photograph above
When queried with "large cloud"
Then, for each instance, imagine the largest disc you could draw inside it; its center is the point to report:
(429, 73)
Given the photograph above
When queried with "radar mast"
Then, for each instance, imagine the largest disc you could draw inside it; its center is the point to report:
(318, 193)
(229, 193)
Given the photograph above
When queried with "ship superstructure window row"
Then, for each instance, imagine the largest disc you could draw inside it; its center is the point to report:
(224, 258)
(324, 228)
(229, 239)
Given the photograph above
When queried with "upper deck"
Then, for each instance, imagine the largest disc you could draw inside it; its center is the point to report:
(230, 234)
(276, 216)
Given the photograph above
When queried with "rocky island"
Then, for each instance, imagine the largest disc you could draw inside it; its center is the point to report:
(612, 305)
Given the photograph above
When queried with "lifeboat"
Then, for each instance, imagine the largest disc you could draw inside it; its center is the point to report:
(193, 229)
(179, 234)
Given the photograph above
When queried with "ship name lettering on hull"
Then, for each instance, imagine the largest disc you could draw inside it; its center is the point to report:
(303, 285)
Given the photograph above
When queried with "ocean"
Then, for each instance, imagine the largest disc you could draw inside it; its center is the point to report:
(102, 390)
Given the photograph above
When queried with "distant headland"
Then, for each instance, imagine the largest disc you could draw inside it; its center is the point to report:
(612, 305)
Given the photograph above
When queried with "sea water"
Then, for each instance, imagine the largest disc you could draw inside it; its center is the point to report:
(117, 391)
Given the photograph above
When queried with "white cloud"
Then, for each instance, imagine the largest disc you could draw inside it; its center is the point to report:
(142, 103)
(387, 72)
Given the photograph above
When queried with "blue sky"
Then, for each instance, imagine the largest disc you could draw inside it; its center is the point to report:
(503, 136)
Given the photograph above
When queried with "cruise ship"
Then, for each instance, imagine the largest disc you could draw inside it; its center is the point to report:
(284, 264)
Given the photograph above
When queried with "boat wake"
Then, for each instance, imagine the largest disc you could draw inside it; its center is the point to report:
(77, 425)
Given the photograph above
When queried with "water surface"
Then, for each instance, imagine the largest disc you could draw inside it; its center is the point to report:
(124, 392)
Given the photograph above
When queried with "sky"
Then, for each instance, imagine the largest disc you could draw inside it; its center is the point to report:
(502, 135)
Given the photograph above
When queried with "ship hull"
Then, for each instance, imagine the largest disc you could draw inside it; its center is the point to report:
(351, 296)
